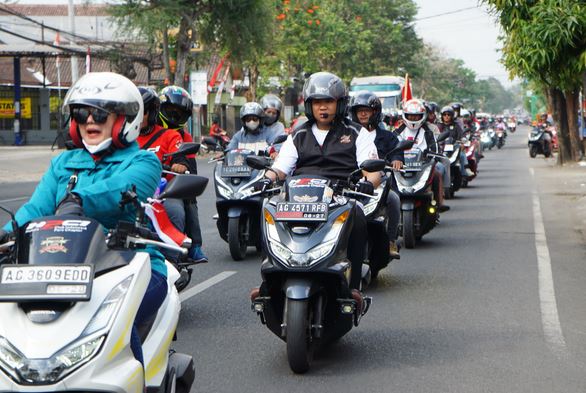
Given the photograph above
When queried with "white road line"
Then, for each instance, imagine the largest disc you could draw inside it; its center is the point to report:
(550, 320)
(202, 286)
(14, 199)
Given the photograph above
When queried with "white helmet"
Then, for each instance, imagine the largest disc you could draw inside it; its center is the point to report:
(113, 93)
(414, 107)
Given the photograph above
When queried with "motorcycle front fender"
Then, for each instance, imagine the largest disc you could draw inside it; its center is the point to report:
(407, 205)
(234, 212)
(299, 288)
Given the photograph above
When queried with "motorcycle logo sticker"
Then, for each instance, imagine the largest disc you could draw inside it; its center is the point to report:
(239, 160)
(58, 226)
(308, 182)
(305, 198)
(345, 139)
(53, 245)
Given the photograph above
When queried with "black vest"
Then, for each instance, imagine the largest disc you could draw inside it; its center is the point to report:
(335, 159)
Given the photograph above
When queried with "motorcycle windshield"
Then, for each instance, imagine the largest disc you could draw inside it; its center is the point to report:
(235, 163)
(413, 159)
(68, 240)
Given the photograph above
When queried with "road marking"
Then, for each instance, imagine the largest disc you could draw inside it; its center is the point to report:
(14, 199)
(550, 320)
(202, 286)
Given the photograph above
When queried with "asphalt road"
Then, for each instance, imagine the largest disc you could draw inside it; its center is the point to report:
(488, 302)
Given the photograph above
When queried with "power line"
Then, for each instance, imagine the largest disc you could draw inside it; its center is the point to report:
(445, 13)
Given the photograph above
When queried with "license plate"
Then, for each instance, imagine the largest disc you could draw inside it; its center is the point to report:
(36, 282)
(236, 171)
(449, 148)
(290, 211)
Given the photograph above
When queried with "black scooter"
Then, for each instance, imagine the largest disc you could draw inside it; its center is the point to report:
(540, 141)
(305, 298)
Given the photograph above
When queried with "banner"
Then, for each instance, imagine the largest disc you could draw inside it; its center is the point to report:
(7, 108)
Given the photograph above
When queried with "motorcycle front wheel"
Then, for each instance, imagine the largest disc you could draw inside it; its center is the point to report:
(533, 151)
(236, 237)
(299, 352)
(409, 228)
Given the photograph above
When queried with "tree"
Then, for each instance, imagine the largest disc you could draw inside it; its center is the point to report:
(545, 42)
(237, 27)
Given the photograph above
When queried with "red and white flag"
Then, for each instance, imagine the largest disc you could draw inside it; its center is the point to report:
(163, 225)
(215, 74)
(57, 42)
(406, 93)
(88, 62)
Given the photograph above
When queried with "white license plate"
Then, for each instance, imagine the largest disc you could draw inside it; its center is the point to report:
(449, 148)
(25, 274)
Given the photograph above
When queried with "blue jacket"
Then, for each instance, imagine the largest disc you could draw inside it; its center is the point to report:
(265, 134)
(99, 186)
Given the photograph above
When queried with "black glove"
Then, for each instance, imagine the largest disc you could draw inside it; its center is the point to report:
(263, 184)
(365, 187)
(70, 205)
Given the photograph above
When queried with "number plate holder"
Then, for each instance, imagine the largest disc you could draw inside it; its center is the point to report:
(293, 211)
(236, 171)
(20, 283)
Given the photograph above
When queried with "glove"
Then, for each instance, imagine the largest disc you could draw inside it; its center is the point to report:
(365, 187)
(263, 184)
(70, 205)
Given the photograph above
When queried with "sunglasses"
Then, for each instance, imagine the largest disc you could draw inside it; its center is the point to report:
(446, 114)
(81, 114)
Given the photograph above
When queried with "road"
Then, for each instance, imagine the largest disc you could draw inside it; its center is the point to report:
(492, 300)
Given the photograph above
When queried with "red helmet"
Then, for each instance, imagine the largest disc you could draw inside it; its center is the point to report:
(416, 109)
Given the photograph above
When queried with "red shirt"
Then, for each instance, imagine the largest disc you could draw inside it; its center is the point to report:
(168, 142)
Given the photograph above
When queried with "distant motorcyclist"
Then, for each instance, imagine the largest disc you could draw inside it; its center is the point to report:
(415, 128)
(272, 107)
(216, 132)
(457, 107)
(175, 110)
(366, 109)
(253, 135)
(456, 134)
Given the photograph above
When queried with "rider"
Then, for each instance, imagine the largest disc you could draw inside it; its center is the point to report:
(347, 145)
(415, 128)
(457, 107)
(456, 134)
(366, 109)
(217, 132)
(252, 135)
(175, 111)
(272, 106)
(106, 112)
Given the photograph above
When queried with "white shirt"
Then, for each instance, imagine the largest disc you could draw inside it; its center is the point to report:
(409, 134)
(287, 159)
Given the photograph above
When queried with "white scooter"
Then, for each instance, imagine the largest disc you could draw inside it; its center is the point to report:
(68, 300)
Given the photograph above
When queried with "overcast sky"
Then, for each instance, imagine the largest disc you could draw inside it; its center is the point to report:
(470, 35)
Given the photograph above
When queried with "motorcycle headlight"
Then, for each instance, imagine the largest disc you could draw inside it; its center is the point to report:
(47, 371)
(312, 256)
(403, 187)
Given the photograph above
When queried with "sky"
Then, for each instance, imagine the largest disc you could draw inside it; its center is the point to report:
(470, 35)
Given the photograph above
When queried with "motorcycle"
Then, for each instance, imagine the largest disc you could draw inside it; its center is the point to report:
(500, 136)
(305, 298)
(238, 218)
(470, 149)
(512, 126)
(452, 150)
(419, 212)
(210, 143)
(540, 141)
(488, 138)
(68, 298)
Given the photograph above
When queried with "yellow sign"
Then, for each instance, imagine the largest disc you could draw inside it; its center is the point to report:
(54, 104)
(7, 108)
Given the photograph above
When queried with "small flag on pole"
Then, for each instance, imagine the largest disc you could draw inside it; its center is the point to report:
(88, 62)
(406, 93)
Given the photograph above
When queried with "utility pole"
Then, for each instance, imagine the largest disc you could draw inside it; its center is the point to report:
(74, 66)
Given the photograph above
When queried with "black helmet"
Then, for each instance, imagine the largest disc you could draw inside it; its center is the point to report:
(325, 85)
(176, 107)
(151, 105)
(457, 106)
(366, 99)
(433, 107)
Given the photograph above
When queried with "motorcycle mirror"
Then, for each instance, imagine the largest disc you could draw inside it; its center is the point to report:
(280, 139)
(185, 149)
(373, 165)
(185, 187)
(257, 162)
(403, 145)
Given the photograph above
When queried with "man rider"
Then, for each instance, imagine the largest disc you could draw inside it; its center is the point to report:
(414, 128)
(330, 145)
(366, 109)
(175, 110)
(456, 134)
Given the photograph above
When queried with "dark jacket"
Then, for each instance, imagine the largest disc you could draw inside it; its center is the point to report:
(335, 159)
(386, 141)
(456, 131)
